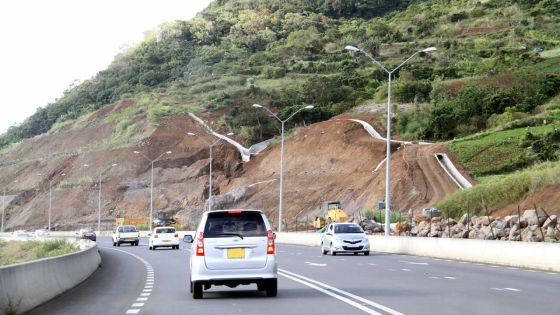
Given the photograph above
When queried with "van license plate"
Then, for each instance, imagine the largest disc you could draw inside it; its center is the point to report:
(235, 253)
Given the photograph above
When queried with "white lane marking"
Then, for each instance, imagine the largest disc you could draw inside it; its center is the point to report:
(149, 287)
(506, 289)
(314, 264)
(450, 278)
(404, 269)
(336, 296)
(552, 273)
(372, 264)
(513, 268)
(149, 280)
(494, 266)
(147, 290)
(137, 304)
(463, 262)
(330, 288)
(415, 263)
(436, 278)
(479, 264)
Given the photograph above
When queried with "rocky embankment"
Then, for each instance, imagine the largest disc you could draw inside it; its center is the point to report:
(531, 227)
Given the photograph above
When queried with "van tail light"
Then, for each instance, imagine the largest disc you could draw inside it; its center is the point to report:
(270, 248)
(155, 236)
(200, 244)
(176, 234)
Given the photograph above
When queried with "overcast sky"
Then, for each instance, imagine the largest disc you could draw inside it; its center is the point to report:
(47, 44)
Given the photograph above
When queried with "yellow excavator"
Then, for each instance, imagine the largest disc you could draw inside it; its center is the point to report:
(333, 213)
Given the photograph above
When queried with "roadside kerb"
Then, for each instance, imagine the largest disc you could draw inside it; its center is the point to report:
(530, 255)
(27, 285)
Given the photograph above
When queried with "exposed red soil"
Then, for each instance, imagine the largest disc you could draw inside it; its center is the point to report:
(332, 160)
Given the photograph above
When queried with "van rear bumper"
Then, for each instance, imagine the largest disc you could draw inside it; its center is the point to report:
(199, 272)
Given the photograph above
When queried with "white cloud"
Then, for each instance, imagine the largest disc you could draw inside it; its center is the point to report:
(46, 45)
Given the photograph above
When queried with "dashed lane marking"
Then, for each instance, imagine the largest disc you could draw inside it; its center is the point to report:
(146, 292)
(415, 263)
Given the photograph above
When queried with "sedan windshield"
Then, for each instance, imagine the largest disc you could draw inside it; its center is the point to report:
(348, 228)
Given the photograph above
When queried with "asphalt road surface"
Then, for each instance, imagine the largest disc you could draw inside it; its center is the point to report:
(135, 280)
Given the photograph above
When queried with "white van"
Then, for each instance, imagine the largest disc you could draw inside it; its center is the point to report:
(233, 247)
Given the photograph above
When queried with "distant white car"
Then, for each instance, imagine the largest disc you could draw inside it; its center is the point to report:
(344, 238)
(165, 236)
(20, 233)
(126, 234)
(41, 233)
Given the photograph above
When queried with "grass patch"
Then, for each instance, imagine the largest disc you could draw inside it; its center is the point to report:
(551, 65)
(495, 152)
(551, 53)
(494, 192)
(21, 251)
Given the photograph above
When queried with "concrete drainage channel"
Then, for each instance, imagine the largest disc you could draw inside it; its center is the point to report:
(26, 285)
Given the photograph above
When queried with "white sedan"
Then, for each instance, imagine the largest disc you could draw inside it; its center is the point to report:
(344, 238)
(165, 236)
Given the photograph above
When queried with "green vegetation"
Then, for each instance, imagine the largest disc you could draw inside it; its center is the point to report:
(379, 215)
(21, 251)
(286, 54)
(500, 190)
(499, 152)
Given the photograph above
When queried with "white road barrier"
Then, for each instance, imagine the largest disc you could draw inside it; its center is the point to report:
(27, 285)
(542, 256)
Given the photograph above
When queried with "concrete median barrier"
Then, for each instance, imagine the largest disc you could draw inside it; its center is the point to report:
(532, 255)
(27, 285)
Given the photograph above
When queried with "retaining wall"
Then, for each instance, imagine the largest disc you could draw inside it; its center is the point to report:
(533, 255)
(30, 284)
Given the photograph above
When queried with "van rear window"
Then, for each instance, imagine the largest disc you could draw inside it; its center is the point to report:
(224, 224)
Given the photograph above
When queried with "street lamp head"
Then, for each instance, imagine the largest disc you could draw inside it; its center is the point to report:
(309, 107)
(257, 105)
(351, 48)
(429, 49)
(191, 134)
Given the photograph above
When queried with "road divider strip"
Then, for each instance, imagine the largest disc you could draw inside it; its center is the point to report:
(339, 294)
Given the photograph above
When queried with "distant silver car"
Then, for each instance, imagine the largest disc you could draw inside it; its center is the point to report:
(344, 238)
(20, 233)
(41, 233)
(233, 247)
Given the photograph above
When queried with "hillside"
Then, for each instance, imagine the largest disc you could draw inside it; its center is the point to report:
(344, 157)
(494, 75)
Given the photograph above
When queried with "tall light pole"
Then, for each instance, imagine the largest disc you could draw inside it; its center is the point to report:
(99, 197)
(388, 160)
(282, 122)
(152, 181)
(210, 145)
(50, 196)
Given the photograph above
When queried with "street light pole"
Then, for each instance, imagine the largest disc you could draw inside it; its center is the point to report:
(388, 159)
(152, 181)
(99, 197)
(282, 122)
(50, 197)
(210, 145)
(3, 209)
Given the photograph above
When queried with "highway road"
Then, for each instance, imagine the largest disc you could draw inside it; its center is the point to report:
(135, 280)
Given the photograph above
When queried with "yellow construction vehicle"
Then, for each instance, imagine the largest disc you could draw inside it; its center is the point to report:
(333, 213)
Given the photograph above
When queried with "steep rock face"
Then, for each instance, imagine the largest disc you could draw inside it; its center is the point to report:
(332, 160)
